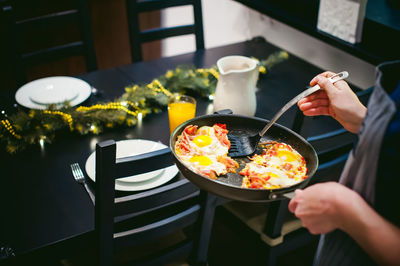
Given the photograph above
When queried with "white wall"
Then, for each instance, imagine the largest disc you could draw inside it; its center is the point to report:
(220, 22)
(227, 21)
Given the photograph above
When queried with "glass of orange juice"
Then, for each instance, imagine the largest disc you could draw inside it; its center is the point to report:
(180, 109)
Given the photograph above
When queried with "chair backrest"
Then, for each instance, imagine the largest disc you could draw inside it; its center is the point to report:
(26, 28)
(137, 37)
(140, 218)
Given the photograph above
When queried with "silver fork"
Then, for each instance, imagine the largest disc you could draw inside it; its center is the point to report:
(80, 178)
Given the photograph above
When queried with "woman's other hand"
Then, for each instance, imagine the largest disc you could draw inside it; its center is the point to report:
(325, 207)
(321, 207)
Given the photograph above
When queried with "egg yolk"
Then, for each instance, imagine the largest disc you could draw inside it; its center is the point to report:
(201, 160)
(287, 156)
(202, 141)
(259, 160)
(272, 175)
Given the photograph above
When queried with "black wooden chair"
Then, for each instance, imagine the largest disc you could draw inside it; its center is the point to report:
(142, 219)
(279, 229)
(138, 36)
(52, 29)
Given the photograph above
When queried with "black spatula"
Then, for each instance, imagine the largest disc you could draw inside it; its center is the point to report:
(245, 145)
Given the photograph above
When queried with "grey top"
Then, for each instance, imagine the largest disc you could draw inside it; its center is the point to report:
(359, 174)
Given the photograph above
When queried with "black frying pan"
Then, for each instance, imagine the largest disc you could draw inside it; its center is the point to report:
(229, 186)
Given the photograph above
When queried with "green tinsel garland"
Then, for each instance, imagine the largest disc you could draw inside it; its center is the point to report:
(40, 126)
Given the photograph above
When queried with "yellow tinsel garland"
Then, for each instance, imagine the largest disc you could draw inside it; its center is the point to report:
(9, 128)
(67, 118)
(38, 126)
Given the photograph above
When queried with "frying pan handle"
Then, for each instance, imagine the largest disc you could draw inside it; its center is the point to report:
(289, 195)
(224, 112)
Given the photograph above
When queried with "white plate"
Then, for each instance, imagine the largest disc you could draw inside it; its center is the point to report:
(39, 93)
(169, 173)
(127, 148)
(51, 93)
(138, 182)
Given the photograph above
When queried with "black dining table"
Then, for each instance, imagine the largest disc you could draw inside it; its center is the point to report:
(45, 212)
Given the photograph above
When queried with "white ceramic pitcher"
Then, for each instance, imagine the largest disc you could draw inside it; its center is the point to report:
(236, 85)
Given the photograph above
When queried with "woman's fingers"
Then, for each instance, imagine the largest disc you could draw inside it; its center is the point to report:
(314, 104)
(317, 111)
(314, 96)
(325, 74)
(330, 89)
(292, 205)
(294, 202)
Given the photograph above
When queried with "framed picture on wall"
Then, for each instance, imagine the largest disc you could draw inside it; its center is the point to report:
(342, 18)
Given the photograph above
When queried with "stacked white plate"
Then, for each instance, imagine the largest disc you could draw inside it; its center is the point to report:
(40, 93)
(144, 181)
